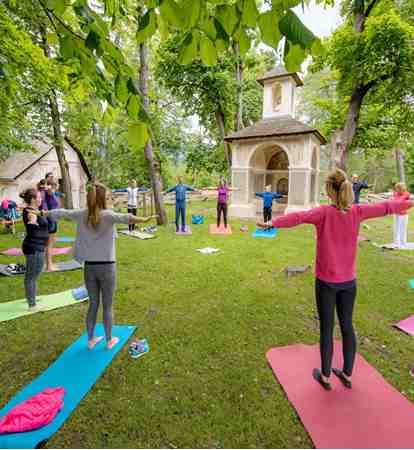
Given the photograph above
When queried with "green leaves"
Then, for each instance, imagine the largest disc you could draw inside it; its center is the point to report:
(250, 13)
(147, 26)
(208, 52)
(228, 17)
(191, 10)
(294, 56)
(121, 89)
(171, 13)
(57, 6)
(137, 135)
(269, 28)
(189, 48)
(244, 42)
(92, 40)
(67, 46)
(295, 31)
(133, 107)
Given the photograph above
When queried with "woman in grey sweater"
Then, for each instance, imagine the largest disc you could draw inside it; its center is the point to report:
(95, 247)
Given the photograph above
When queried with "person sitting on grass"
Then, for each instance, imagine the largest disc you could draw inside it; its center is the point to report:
(34, 243)
(268, 196)
(337, 226)
(95, 247)
(180, 190)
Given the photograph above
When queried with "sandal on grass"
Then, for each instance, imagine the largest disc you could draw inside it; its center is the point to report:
(340, 374)
(317, 375)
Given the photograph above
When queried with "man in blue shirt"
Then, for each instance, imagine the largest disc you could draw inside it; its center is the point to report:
(180, 202)
(268, 198)
(357, 187)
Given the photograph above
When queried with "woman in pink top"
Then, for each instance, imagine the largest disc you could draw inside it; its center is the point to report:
(400, 219)
(337, 226)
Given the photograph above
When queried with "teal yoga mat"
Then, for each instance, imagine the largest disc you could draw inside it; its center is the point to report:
(76, 370)
(265, 233)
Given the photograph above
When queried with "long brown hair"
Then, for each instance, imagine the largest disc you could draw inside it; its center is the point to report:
(339, 189)
(96, 200)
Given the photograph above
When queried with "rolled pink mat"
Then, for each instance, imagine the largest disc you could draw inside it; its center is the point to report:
(372, 414)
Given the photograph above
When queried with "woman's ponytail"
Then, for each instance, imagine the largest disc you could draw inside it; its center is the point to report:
(339, 190)
(96, 200)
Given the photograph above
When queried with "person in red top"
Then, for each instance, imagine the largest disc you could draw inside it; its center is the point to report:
(337, 226)
(400, 219)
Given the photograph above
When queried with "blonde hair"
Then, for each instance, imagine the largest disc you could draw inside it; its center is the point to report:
(400, 187)
(96, 200)
(339, 190)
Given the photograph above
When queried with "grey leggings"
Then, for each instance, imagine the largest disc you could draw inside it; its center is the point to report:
(34, 267)
(100, 281)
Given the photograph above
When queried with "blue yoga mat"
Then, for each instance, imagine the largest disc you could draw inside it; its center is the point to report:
(265, 233)
(76, 370)
(411, 283)
(65, 239)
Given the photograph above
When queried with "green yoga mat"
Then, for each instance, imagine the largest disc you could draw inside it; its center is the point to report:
(19, 308)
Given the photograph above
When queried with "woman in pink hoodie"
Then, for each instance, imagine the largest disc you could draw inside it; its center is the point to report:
(337, 227)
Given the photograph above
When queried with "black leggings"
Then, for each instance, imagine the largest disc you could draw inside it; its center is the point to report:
(221, 208)
(328, 297)
(267, 214)
(131, 226)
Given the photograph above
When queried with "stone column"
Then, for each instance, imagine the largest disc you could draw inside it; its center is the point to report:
(299, 197)
(240, 206)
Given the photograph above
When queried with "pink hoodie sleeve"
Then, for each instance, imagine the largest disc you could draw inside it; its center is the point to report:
(313, 217)
(383, 209)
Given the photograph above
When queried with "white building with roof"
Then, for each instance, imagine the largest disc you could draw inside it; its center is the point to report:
(25, 169)
(279, 150)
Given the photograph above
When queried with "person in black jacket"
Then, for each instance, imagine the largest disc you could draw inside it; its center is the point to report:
(34, 243)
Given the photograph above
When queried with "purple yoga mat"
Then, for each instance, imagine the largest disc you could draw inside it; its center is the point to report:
(185, 233)
(406, 325)
(18, 251)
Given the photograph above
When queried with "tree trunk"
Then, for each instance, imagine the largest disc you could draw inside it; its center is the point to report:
(60, 150)
(222, 131)
(399, 159)
(358, 94)
(239, 82)
(335, 145)
(154, 165)
(351, 124)
(58, 141)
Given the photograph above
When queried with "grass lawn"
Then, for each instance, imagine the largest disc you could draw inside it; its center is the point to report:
(205, 382)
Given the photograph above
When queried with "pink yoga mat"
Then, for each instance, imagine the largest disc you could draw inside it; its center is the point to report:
(406, 325)
(220, 230)
(18, 251)
(370, 415)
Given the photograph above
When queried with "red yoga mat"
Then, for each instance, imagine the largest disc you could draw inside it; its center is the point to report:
(370, 415)
(406, 325)
(213, 229)
(18, 251)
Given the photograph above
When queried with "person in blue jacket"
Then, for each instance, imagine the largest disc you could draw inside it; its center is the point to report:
(180, 190)
(357, 187)
(268, 196)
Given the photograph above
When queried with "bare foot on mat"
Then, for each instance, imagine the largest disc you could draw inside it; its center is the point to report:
(92, 343)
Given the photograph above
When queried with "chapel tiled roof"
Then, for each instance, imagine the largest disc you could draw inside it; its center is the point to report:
(279, 72)
(275, 126)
